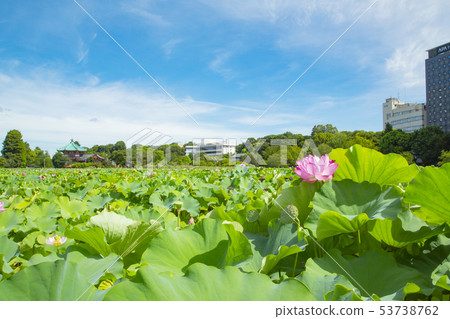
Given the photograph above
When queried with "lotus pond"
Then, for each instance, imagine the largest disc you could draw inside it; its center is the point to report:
(378, 230)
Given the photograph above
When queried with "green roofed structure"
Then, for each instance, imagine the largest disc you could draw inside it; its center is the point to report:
(73, 151)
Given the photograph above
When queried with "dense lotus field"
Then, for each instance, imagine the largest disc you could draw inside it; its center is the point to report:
(378, 230)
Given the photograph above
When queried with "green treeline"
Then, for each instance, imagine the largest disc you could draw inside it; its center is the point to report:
(427, 146)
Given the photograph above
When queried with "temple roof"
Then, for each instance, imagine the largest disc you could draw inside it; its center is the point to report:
(72, 147)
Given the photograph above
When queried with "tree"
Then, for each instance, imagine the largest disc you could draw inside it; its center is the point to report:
(324, 149)
(59, 160)
(444, 158)
(119, 157)
(119, 146)
(32, 160)
(427, 144)
(388, 128)
(395, 141)
(14, 150)
(323, 129)
(339, 140)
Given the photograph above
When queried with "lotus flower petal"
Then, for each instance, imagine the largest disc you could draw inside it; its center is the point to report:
(315, 168)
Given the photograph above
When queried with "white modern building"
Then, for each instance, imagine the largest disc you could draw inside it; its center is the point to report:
(211, 147)
(407, 117)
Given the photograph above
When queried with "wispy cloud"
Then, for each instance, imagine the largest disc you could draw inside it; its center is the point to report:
(170, 45)
(142, 9)
(57, 109)
(218, 65)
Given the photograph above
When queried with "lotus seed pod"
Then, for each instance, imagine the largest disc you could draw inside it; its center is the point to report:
(289, 214)
(252, 216)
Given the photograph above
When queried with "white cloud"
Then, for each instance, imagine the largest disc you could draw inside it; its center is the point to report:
(143, 9)
(50, 110)
(169, 46)
(218, 65)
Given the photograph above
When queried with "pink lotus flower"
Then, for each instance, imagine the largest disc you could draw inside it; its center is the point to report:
(55, 240)
(242, 165)
(315, 168)
(217, 170)
(24, 174)
(1, 207)
(191, 221)
(41, 177)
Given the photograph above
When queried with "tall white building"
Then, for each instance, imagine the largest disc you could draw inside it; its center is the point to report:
(211, 147)
(407, 117)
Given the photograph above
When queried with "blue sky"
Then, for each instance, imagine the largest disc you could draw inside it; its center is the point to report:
(224, 62)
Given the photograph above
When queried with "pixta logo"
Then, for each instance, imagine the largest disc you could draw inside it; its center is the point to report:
(140, 150)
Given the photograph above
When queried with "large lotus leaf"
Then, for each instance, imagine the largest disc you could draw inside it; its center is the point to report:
(92, 267)
(283, 240)
(175, 250)
(342, 293)
(363, 164)
(136, 239)
(45, 209)
(60, 280)
(239, 248)
(207, 283)
(113, 225)
(222, 213)
(191, 205)
(374, 272)
(344, 206)
(71, 208)
(9, 220)
(300, 196)
(431, 190)
(45, 224)
(402, 231)
(434, 261)
(98, 201)
(323, 284)
(8, 249)
(94, 237)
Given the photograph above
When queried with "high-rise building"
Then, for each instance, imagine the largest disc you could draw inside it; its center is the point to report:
(407, 117)
(437, 70)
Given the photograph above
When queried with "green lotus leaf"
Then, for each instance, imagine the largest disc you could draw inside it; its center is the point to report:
(136, 239)
(113, 225)
(9, 220)
(207, 242)
(362, 164)
(59, 280)
(94, 237)
(239, 251)
(97, 201)
(374, 272)
(434, 261)
(191, 205)
(207, 283)
(71, 208)
(344, 206)
(8, 249)
(396, 232)
(431, 190)
(45, 209)
(300, 196)
(283, 240)
(93, 267)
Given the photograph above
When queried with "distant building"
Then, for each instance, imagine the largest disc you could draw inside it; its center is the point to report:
(73, 151)
(212, 147)
(437, 73)
(407, 117)
(76, 153)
